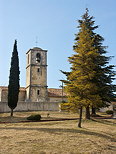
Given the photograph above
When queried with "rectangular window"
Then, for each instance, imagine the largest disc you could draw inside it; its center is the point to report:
(38, 92)
(38, 70)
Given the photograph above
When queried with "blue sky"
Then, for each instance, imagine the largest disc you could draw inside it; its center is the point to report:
(54, 22)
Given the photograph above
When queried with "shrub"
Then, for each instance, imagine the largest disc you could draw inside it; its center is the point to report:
(109, 112)
(36, 117)
(64, 106)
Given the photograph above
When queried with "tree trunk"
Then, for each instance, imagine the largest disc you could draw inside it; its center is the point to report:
(11, 113)
(80, 117)
(93, 111)
(87, 114)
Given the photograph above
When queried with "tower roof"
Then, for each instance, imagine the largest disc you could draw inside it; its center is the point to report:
(36, 49)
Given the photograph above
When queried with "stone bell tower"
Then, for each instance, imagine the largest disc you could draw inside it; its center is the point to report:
(36, 75)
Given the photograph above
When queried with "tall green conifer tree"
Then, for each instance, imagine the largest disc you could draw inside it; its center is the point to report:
(13, 87)
(89, 82)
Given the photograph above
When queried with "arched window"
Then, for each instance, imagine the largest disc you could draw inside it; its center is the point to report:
(38, 57)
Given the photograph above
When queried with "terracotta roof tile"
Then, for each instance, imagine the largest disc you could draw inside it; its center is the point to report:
(6, 88)
(52, 92)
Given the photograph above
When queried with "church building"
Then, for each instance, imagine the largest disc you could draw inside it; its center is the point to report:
(36, 95)
(36, 90)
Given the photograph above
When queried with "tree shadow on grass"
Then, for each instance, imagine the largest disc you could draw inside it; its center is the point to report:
(104, 121)
(12, 119)
(59, 131)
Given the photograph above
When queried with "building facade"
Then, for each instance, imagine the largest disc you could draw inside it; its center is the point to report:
(36, 90)
(36, 95)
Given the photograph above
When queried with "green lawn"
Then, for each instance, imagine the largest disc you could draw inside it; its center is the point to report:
(97, 136)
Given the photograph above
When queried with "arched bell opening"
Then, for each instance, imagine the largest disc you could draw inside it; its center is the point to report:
(38, 57)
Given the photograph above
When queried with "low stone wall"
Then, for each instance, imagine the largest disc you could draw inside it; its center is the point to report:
(106, 108)
(31, 106)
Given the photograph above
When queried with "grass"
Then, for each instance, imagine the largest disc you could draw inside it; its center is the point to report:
(98, 136)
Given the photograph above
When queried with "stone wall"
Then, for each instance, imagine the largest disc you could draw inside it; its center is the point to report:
(57, 99)
(4, 95)
(38, 106)
(106, 108)
(31, 106)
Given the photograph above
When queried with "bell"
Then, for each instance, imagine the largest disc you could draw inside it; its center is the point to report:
(37, 60)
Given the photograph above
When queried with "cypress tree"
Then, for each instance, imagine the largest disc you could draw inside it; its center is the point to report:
(89, 82)
(13, 87)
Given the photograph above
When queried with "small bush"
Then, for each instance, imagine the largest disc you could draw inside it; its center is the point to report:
(65, 106)
(109, 112)
(36, 117)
